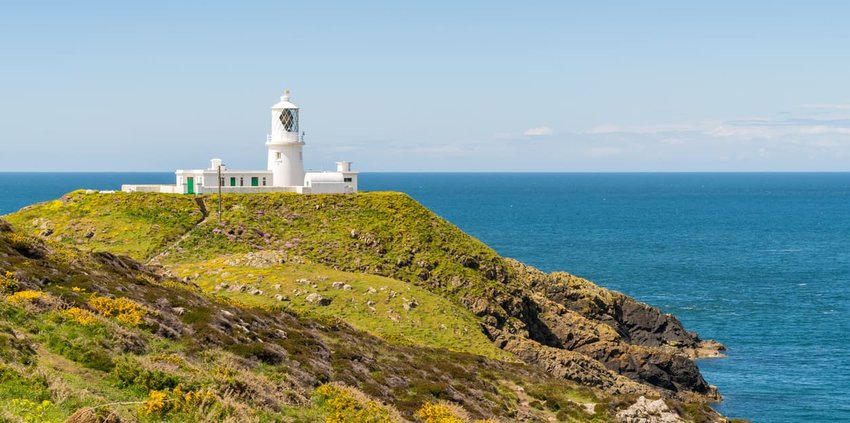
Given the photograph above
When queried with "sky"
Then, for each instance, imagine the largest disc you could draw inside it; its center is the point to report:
(437, 86)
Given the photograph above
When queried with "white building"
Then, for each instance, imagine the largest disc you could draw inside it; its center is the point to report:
(284, 171)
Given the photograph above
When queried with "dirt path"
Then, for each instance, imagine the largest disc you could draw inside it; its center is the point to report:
(204, 215)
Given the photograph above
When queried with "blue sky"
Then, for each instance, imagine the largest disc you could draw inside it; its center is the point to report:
(431, 86)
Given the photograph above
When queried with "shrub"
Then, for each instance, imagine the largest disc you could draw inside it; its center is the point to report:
(30, 411)
(122, 309)
(32, 301)
(8, 283)
(23, 297)
(439, 413)
(132, 373)
(156, 403)
(348, 405)
(14, 349)
(22, 382)
(76, 346)
(443, 412)
(178, 401)
(80, 316)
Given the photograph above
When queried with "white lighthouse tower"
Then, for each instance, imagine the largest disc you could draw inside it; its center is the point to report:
(286, 157)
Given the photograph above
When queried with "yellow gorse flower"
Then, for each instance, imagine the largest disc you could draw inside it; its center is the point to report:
(82, 317)
(21, 297)
(122, 309)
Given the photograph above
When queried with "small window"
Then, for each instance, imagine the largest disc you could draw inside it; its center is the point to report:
(241, 181)
(221, 181)
(346, 179)
(233, 181)
(264, 181)
(277, 155)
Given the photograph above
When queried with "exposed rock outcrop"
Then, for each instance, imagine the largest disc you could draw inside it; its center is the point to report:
(648, 411)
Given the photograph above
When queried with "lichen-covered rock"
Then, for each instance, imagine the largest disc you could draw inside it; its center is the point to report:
(648, 411)
(318, 299)
(410, 305)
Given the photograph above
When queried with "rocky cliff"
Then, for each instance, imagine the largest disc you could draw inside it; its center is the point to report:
(403, 287)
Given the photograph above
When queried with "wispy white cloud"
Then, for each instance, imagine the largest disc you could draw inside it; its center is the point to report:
(538, 132)
(776, 131)
(769, 128)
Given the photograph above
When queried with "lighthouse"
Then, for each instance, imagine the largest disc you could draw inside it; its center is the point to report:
(284, 171)
(286, 156)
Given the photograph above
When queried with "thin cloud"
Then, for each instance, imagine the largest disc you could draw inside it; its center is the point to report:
(538, 132)
(744, 128)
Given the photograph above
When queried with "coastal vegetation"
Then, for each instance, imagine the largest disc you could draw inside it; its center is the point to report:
(367, 307)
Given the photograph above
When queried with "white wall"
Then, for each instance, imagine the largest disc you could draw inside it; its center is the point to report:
(164, 189)
(330, 188)
(289, 168)
(243, 177)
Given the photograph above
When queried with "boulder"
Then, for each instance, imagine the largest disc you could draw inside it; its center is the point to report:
(317, 299)
(410, 305)
(648, 411)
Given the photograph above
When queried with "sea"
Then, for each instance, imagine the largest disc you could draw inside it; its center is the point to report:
(757, 261)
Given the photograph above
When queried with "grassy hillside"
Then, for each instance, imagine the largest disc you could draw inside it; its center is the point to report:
(94, 335)
(133, 225)
(322, 228)
(379, 233)
(383, 266)
(396, 311)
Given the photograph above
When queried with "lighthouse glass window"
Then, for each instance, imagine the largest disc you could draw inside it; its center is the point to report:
(289, 119)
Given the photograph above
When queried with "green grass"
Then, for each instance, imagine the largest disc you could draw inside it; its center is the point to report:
(136, 225)
(362, 236)
(436, 322)
(382, 233)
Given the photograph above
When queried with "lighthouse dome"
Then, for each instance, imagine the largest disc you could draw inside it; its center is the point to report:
(284, 102)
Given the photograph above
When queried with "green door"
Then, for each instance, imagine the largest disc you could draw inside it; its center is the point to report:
(190, 181)
(232, 181)
(255, 181)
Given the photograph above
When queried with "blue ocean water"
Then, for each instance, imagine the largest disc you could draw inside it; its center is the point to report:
(758, 261)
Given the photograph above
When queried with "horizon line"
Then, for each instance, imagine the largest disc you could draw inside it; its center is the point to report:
(463, 171)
